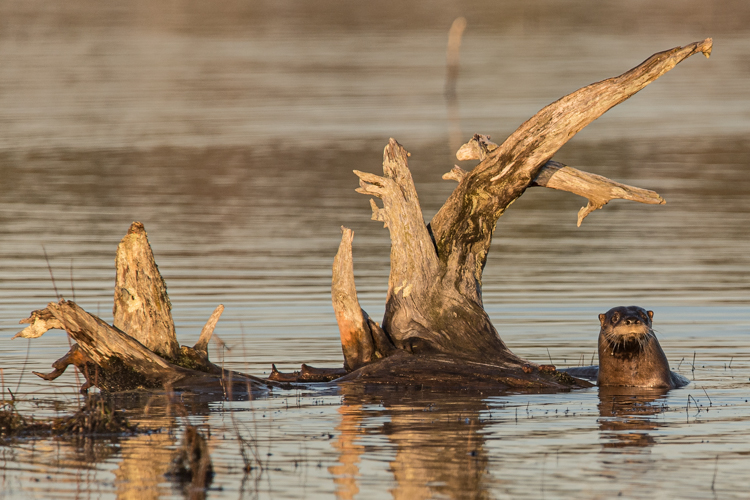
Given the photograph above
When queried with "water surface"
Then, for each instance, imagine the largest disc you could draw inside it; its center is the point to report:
(231, 133)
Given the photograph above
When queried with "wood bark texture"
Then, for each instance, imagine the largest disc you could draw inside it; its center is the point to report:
(144, 357)
(114, 361)
(597, 189)
(142, 307)
(434, 302)
(435, 329)
(362, 340)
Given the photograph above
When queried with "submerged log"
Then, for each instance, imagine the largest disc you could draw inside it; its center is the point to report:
(435, 329)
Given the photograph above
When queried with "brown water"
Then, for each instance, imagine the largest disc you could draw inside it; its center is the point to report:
(230, 130)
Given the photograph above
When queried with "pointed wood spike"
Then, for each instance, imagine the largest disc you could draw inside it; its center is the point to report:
(208, 330)
(356, 342)
(142, 308)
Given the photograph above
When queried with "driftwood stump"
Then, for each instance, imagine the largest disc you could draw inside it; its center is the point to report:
(435, 330)
(434, 302)
(140, 351)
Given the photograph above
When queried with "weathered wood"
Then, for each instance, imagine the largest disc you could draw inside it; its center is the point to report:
(40, 322)
(208, 330)
(434, 298)
(142, 307)
(362, 340)
(114, 361)
(597, 189)
(75, 357)
(464, 225)
(423, 314)
(435, 330)
(450, 372)
(356, 341)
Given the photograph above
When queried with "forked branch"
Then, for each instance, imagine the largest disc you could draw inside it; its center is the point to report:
(597, 189)
(464, 225)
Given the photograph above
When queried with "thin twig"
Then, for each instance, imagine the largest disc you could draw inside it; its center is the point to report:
(550, 357)
(25, 362)
(693, 364)
(697, 406)
(72, 283)
(716, 468)
(710, 403)
(54, 285)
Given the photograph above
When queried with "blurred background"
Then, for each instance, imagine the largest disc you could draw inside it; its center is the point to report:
(230, 130)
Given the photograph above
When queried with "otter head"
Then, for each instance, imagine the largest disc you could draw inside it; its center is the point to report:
(627, 329)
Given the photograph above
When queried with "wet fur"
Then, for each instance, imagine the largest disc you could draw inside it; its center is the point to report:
(630, 354)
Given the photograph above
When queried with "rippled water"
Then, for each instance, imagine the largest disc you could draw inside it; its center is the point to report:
(231, 131)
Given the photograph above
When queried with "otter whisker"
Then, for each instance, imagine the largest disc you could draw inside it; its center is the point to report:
(629, 352)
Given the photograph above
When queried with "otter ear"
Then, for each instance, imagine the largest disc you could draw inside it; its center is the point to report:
(603, 318)
(650, 314)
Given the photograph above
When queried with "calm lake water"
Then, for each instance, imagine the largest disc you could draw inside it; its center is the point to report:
(230, 130)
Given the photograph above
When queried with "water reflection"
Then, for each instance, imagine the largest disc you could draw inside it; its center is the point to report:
(438, 440)
(346, 472)
(145, 459)
(231, 130)
(627, 415)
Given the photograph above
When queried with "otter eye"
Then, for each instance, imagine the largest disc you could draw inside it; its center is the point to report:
(615, 318)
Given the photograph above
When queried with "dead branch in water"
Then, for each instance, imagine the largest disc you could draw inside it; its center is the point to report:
(435, 329)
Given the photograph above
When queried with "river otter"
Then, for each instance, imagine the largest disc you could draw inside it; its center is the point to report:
(629, 354)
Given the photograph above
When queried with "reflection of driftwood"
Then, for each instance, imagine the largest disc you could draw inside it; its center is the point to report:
(438, 442)
(192, 466)
(435, 329)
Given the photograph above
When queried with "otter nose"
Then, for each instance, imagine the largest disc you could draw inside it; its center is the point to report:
(632, 321)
